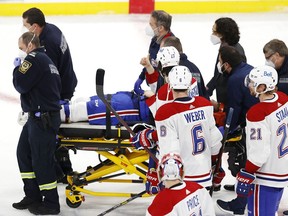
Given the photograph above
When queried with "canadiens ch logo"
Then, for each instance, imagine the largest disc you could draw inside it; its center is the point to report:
(25, 66)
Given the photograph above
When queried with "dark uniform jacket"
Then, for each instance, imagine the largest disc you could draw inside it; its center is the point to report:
(38, 81)
(283, 76)
(195, 73)
(238, 95)
(219, 82)
(58, 50)
(153, 50)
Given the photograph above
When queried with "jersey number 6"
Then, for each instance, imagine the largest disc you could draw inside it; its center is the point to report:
(198, 140)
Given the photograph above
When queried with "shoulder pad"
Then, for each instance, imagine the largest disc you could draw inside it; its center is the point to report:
(33, 54)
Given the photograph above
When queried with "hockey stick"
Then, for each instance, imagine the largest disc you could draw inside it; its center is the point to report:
(100, 93)
(123, 203)
(219, 159)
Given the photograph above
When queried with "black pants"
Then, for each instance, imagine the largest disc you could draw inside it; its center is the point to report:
(36, 159)
(236, 155)
(64, 162)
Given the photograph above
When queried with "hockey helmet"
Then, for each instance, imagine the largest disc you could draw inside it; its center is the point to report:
(171, 167)
(180, 77)
(167, 57)
(265, 74)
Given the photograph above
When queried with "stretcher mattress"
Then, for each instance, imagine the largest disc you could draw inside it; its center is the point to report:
(85, 130)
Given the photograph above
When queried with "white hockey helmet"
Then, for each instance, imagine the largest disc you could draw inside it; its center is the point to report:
(180, 77)
(266, 75)
(168, 56)
(171, 167)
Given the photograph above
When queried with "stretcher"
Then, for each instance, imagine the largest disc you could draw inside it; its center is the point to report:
(112, 143)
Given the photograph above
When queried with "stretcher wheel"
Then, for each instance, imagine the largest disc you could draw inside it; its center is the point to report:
(73, 205)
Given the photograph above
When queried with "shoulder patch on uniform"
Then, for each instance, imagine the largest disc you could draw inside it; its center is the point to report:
(33, 54)
(53, 69)
(25, 66)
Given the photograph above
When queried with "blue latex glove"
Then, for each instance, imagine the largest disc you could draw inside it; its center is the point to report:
(64, 102)
(17, 61)
(245, 180)
(137, 87)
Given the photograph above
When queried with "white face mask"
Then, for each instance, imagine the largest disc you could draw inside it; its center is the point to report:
(219, 66)
(149, 31)
(215, 39)
(22, 55)
(269, 63)
(24, 30)
(32, 30)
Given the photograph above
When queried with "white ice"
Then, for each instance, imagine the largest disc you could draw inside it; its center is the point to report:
(116, 43)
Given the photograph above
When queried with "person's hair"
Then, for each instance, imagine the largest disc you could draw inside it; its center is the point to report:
(29, 37)
(34, 15)
(162, 18)
(228, 29)
(230, 55)
(180, 90)
(276, 45)
(172, 41)
(165, 70)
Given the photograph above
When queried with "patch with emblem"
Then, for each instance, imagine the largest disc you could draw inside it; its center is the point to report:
(163, 131)
(24, 67)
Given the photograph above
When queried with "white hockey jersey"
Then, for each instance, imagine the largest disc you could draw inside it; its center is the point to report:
(187, 126)
(182, 200)
(164, 94)
(267, 141)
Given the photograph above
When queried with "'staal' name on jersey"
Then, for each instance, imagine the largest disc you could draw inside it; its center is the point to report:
(282, 114)
(194, 116)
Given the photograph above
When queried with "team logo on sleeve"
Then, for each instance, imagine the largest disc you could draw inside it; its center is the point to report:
(24, 67)
(163, 131)
(53, 69)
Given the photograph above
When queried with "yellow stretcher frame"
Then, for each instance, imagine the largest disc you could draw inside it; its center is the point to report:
(119, 156)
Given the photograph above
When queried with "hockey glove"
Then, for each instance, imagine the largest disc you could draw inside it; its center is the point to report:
(153, 186)
(218, 176)
(245, 180)
(137, 87)
(143, 139)
(17, 61)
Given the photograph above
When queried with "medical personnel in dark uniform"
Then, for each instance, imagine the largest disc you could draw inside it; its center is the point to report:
(38, 82)
(56, 47)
